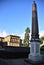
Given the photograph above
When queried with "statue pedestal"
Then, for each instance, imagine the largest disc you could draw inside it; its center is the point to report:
(35, 51)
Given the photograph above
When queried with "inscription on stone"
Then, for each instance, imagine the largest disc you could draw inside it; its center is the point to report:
(37, 48)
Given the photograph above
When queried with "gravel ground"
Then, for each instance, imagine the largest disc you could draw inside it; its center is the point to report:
(18, 61)
(13, 62)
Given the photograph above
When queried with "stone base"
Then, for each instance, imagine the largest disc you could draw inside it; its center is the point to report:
(35, 58)
(39, 60)
(33, 62)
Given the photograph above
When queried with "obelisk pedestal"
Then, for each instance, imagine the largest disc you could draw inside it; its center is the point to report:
(35, 51)
(35, 41)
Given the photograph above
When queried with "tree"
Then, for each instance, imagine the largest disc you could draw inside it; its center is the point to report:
(41, 39)
(26, 37)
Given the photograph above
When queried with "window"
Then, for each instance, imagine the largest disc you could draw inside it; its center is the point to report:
(14, 41)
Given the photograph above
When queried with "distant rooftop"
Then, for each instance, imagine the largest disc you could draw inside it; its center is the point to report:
(11, 35)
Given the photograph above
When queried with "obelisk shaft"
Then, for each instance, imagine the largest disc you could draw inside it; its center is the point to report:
(35, 32)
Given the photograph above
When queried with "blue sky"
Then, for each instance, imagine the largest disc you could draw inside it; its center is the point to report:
(16, 15)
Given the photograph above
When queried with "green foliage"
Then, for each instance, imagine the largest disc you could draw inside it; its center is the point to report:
(26, 44)
(27, 30)
(41, 39)
(26, 37)
(42, 51)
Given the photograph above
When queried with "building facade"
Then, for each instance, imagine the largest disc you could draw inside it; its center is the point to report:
(12, 40)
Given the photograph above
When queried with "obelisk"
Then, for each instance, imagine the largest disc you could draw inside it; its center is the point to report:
(35, 41)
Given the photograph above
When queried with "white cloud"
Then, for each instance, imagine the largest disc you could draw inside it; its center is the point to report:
(41, 33)
(22, 35)
(3, 34)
